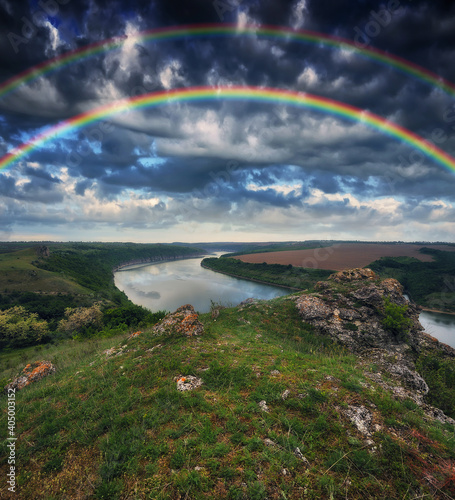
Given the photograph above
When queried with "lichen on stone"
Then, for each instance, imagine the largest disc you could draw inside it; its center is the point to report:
(184, 321)
(31, 373)
(188, 383)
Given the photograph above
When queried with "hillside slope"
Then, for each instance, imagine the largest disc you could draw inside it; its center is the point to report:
(50, 279)
(285, 409)
(19, 273)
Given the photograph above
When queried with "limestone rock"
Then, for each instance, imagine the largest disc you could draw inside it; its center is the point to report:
(133, 335)
(42, 251)
(312, 307)
(188, 383)
(184, 321)
(361, 417)
(300, 456)
(31, 373)
(285, 394)
(263, 406)
(354, 317)
(410, 378)
(349, 314)
(353, 275)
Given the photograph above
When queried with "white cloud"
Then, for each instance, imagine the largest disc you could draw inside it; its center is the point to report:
(298, 14)
(54, 41)
(244, 20)
(279, 188)
(308, 77)
(170, 75)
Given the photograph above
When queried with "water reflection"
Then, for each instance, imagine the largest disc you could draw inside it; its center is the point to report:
(168, 285)
(440, 326)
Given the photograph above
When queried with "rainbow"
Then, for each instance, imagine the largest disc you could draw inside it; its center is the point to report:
(220, 30)
(257, 94)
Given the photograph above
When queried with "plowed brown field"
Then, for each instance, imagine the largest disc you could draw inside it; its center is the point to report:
(342, 255)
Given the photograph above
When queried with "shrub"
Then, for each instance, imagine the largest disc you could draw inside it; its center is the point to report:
(131, 316)
(395, 320)
(439, 374)
(19, 328)
(81, 319)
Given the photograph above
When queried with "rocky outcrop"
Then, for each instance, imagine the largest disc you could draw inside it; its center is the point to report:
(31, 373)
(42, 251)
(353, 275)
(350, 308)
(184, 321)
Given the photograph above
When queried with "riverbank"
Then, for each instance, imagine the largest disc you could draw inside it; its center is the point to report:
(289, 277)
(238, 276)
(426, 309)
(152, 260)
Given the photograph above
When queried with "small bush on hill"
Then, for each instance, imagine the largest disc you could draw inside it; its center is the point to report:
(82, 320)
(130, 316)
(439, 374)
(395, 320)
(19, 328)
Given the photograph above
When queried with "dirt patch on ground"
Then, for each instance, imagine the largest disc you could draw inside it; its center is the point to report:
(342, 256)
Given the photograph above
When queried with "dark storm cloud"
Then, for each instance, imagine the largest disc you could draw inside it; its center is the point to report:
(40, 174)
(82, 186)
(183, 152)
(38, 189)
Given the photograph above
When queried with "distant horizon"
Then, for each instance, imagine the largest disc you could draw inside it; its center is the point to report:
(416, 242)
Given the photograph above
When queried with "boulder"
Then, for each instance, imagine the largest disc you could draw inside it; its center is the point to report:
(188, 383)
(312, 307)
(184, 321)
(31, 373)
(42, 251)
(361, 417)
(353, 275)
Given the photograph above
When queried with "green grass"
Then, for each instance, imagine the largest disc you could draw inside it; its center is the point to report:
(18, 274)
(116, 427)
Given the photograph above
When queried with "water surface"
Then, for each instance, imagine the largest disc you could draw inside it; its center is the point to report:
(168, 285)
(440, 326)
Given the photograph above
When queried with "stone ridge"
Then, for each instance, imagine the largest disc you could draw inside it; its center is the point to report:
(184, 321)
(349, 308)
(31, 373)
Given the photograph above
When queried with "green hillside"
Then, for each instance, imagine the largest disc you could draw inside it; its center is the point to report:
(276, 274)
(19, 273)
(45, 282)
(117, 428)
(429, 284)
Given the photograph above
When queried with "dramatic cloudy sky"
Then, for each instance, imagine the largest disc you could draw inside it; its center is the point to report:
(227, 171)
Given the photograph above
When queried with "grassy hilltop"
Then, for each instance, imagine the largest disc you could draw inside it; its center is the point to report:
(273, 418)
(116, 427)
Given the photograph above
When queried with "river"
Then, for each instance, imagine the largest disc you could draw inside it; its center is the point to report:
(168, 285)
(440, 326)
